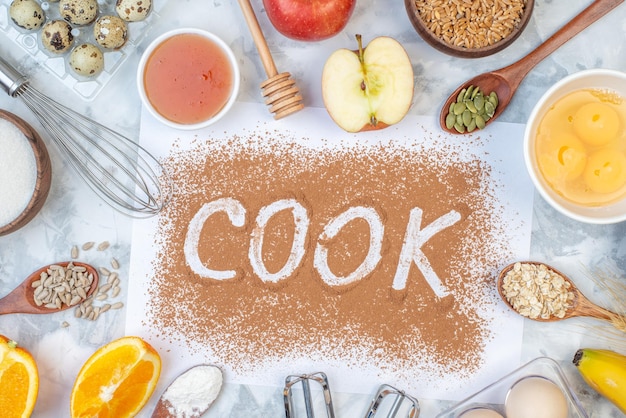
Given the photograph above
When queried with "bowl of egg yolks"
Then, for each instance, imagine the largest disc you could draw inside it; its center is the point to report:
(575, 146)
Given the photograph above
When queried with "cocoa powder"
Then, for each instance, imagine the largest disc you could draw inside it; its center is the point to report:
(248, 323)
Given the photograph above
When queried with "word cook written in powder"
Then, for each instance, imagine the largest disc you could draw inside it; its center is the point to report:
(415, 236)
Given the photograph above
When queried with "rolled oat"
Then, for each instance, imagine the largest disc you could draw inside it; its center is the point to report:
(536, 291)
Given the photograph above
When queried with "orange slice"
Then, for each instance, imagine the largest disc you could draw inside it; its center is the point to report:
(117, 380)
(19, 380)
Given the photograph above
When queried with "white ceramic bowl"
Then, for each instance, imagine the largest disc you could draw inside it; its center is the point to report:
(587, 79)
(215, 40)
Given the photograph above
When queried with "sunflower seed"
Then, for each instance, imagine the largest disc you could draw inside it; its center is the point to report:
(115, 264)
(88, 245)
(74, 252)
(103, 246)
(112, 277)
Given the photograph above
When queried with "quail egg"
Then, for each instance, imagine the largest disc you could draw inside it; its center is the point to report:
(87, 60)
(133, 10)
(27, 14)
(79, 12)
(56, 36)
(110, 32)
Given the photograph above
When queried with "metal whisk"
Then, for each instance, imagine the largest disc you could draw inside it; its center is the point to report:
(119, 170)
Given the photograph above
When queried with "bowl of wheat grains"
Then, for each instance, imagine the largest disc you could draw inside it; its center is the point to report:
(469, 29)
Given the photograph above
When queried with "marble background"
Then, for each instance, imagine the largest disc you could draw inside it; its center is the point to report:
(74, 215)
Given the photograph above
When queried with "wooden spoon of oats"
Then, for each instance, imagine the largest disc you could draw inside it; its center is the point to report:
(542, 293)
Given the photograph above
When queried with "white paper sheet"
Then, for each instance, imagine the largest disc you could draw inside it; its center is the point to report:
(500, 147)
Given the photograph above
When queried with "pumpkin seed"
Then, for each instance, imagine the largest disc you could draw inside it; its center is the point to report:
(459, 108)
(461, 96)
(467, 117)
(480, 122)
(450, 120)
(490, 109)
(471, 110)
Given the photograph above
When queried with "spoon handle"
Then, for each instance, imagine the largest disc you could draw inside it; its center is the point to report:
(518, 70)
(587, 308)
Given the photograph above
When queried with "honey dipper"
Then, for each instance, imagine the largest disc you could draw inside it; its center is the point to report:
(280, 90)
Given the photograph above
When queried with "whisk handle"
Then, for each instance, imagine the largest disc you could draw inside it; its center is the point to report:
(10, 79)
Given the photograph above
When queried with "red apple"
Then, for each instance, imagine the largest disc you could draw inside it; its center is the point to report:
(309, 20)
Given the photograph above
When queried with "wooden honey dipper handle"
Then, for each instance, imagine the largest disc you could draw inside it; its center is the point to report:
(280, 90)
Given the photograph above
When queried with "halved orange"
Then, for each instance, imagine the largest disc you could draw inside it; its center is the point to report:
(19, 380)
(117, 380)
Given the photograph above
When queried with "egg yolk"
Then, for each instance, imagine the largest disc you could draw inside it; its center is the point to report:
(562, 156)
(606, 171)
(596, 123)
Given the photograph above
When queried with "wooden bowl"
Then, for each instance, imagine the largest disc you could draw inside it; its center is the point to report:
(462, 51)
(44, 174)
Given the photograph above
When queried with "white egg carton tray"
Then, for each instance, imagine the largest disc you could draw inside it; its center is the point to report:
(493, 396)
(57, 64)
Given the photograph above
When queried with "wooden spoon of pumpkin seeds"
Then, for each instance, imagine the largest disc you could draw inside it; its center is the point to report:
(52, 288)
(505, 81)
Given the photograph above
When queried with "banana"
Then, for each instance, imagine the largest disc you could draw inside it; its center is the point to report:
(605, 371)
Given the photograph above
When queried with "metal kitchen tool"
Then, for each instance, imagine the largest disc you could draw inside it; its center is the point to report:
(280, 90)
(399, 397)
(305, 379)
(120, 171)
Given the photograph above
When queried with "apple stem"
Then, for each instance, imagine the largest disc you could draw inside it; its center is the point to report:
(360, 43)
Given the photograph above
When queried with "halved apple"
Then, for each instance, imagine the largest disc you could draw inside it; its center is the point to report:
(370, 88)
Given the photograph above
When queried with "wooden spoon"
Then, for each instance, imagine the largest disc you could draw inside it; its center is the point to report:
(581, 306)
(198, 399)
(22, 299)
(505, 81)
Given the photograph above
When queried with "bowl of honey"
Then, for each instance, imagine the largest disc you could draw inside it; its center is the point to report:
(575, 146)
(188, 78)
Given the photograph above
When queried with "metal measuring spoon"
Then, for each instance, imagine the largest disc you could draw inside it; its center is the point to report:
(22, 298)
(580, 305)
(201, 385)
(505, 81)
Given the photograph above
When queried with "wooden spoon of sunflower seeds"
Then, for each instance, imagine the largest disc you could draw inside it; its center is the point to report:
(52, 288)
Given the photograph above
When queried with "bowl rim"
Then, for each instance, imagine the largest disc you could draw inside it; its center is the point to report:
(549, 97)
(221, 44)
(44, 173)
(437, 43)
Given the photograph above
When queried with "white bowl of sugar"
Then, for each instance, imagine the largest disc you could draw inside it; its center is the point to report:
(25, 173)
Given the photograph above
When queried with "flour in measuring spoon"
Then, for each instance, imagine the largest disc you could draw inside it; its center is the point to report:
(191, 393)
